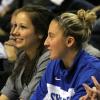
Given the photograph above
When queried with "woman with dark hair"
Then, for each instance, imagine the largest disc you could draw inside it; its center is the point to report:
(28, 32)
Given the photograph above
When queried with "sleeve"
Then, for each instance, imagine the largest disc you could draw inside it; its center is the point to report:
(9, 89)
(2, 52)
(41, 90)
(85, 77)
(42, 63)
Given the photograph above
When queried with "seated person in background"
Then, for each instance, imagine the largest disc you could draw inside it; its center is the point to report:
(28, 33)
(93, 44)
(95, 39)
(70, 65)
(92, 93)
(5, 6)
(8, 56)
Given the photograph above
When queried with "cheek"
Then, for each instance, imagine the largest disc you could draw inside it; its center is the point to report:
(55, 48)
(58, 44)
(59, 48)
(29, 39)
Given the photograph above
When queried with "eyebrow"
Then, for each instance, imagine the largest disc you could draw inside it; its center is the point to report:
(50, 33)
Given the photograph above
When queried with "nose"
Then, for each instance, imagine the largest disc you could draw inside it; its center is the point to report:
(14, 31)
(46, 43)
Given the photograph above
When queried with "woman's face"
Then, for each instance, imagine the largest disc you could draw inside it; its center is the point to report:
(56, 42)
(23, 31)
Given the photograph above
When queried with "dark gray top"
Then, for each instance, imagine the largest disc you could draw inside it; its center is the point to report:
(14, 87)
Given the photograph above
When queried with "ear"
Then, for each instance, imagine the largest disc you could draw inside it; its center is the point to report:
(70, 40)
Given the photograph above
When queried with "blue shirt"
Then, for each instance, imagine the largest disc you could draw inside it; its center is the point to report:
(59, 83)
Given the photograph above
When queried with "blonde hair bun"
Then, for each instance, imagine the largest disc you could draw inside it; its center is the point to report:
(87, 16)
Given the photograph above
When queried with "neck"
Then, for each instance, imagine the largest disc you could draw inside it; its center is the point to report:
(32, 51)
(69, 58)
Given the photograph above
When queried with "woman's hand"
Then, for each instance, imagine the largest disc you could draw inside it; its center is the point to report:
(10, 50)
(92, 93)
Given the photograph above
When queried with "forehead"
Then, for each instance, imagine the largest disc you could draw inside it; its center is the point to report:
(13, 19)
(22, 17)
(54, 27)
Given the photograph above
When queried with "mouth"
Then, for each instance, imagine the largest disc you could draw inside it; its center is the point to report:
(49, 51)
(15, 38)
(12, 38)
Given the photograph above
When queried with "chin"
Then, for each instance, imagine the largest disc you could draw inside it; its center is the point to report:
(53, 57)
(19, 46)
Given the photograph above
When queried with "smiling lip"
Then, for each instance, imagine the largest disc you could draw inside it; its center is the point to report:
(12, 38)
(48, 49)
(15, 38)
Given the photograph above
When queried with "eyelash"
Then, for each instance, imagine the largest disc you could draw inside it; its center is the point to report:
(20, 26)
(51, 35)
(23, 27)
